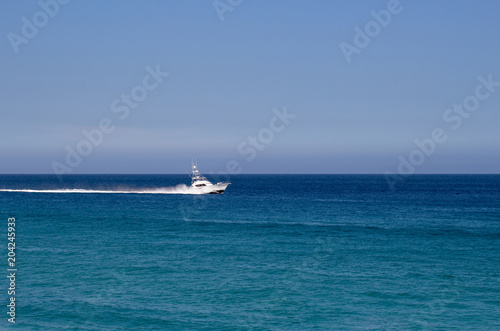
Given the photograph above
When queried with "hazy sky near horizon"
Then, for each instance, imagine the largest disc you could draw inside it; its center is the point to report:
(227, 79)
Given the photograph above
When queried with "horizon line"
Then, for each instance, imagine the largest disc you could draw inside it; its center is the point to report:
(264, 174)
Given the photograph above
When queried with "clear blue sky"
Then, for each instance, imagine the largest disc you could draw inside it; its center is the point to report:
(226, 77)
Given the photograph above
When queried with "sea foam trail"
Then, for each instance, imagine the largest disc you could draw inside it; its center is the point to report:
(179, 189)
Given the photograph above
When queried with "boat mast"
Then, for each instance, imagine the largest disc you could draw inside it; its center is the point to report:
(196, 174)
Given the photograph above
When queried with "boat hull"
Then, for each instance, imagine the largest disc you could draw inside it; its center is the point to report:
(218, 188)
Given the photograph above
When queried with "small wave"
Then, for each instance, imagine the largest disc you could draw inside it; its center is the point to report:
(179, 189)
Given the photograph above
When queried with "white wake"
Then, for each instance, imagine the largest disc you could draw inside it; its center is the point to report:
(179, 189)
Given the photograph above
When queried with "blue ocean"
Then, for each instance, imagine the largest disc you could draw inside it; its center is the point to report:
(274, 252)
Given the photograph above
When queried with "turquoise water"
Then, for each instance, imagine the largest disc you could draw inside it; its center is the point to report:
(275, 252)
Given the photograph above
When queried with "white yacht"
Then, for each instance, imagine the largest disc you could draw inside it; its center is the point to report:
(202, 185)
